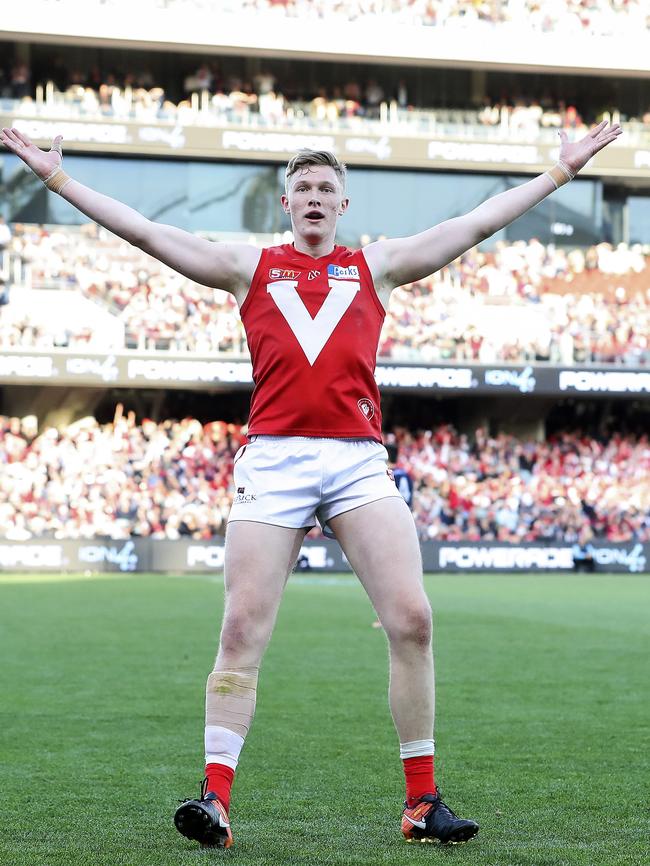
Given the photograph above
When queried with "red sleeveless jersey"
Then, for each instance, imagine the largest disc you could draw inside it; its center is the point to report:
(313, 329)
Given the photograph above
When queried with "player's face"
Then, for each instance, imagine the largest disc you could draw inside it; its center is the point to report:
(315, 202)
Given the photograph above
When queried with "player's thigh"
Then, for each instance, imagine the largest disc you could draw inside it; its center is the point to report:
(381, 544)
(258, 560)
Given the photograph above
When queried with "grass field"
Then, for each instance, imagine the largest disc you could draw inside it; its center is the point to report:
(542, 727)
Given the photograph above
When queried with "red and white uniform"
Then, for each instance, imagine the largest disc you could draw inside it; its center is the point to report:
(313, 329)
(315, 428)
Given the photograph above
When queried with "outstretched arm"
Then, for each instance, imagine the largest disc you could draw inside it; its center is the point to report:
(217, 265)
(404, 260)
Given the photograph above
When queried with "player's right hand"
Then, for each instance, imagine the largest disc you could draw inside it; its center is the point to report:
(41, 162)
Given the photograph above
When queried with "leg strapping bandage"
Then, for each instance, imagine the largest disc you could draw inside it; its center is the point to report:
(230, 699)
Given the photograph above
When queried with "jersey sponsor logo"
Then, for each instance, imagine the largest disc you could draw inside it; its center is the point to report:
(367, 407)
(283, 274)
(313, 334)
(313, 274)
(339, 273)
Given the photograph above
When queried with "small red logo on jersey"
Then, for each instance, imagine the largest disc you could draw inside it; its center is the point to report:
(283, 274)
(367, 407)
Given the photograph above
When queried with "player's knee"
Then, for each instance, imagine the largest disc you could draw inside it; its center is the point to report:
(241, 634)
(411, 624)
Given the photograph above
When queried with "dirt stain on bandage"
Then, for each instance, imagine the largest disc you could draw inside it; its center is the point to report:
(230, 699)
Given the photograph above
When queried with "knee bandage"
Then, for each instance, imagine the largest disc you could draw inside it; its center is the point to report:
(230, 699)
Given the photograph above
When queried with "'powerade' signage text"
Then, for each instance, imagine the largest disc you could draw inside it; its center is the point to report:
(15, 555)
(161, 370)
(448, 378)
(504, 558)
(187, 556)
(607, 381)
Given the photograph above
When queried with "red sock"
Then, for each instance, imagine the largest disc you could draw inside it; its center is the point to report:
(220, 778)
(419, 777)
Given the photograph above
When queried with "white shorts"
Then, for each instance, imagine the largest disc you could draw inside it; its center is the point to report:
(293, 481)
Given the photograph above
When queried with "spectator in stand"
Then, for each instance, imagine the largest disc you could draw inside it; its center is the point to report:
(20, 80)
(374, 96)
(198, 81)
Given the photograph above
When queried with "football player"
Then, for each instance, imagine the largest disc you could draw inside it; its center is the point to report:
(313, 311)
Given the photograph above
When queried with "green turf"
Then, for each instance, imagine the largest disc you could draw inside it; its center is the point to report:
(542, 723)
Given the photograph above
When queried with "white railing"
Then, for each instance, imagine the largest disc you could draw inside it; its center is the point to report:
(514, 125)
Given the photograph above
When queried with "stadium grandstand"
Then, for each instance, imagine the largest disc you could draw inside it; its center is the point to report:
(515, 381)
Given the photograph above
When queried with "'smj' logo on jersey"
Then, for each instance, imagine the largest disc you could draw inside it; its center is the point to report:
(312, 334)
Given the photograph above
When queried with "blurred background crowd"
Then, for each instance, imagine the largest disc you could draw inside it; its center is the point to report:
(594, 16)
(564, 305)
(174, 479)
(221, 90)
(210, 95)
(500, 468)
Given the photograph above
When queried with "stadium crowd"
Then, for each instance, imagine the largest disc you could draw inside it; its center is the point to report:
(115, 480)
(174, 479)
(603, 17)
(214, 95)
(570, 306)
(501, 488)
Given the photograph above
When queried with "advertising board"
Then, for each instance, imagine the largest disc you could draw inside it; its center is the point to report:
(128, 556)
(128, 369)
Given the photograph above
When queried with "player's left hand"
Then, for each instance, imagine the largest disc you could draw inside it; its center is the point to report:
(577, 154)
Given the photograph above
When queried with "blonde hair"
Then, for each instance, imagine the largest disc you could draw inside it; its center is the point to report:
(307, 157)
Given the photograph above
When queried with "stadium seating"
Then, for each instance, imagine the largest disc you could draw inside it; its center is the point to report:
(511, 119)
(174, 479)
(596, 17)
(565, 306)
